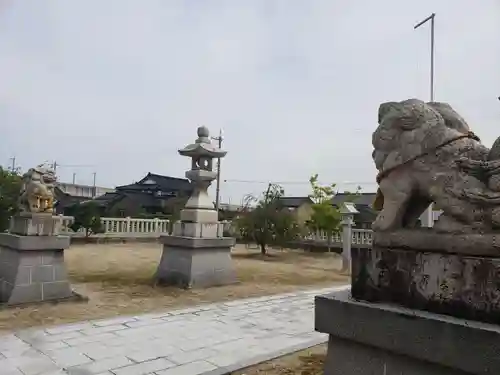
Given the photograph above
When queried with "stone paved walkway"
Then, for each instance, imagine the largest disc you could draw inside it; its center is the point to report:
(208, 339)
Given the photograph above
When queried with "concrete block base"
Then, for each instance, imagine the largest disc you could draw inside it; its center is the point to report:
(31, 273)
(195, 262)
(375, 338)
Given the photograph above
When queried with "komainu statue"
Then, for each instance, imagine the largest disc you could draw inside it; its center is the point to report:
(426, 152)
(37, 194)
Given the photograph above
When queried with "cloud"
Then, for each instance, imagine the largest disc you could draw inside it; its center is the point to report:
(295, 85)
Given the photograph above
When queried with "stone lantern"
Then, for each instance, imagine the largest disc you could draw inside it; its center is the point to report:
(347, 212)
(197, 254)
(200, 211)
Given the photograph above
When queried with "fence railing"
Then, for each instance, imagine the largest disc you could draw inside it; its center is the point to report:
(359, 237)
(153, 228)
(122, 227)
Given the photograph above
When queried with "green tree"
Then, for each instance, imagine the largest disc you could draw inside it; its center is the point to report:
(86, 216)
(265, 221)
(10, 189)
(325, 216)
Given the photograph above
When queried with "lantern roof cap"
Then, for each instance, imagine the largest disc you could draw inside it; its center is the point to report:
(203, 146)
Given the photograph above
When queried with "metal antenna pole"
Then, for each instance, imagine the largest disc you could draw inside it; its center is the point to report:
(428, 216)
(94, 188)
(432, 19)
(217, 189)
(432, 56)
(13, 166)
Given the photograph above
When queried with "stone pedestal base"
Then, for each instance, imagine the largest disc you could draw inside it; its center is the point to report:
(195, 262)
(375, 339)
(34, 224)
(458, 285)
(32, 269)
(198, 230)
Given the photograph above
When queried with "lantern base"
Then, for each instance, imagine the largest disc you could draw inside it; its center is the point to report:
(199, 230)
(199, 216)
(196, 262)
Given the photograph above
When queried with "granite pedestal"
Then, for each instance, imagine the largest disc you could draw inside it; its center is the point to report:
(35, 224)
(382, 339)
(32, 269)
(421, 302)
(441, 273)
(191, 262)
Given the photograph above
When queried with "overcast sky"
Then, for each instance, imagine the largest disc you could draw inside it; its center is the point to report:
(120, 85)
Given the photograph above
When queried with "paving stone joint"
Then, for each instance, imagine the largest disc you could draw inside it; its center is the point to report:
(210, 339)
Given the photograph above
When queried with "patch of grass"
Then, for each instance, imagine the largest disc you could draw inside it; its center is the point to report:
(306, 362)
(118, 279)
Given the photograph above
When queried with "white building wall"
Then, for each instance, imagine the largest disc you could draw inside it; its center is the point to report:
(78, 190)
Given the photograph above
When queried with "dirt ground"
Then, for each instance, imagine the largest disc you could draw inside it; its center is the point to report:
(305, 362)
(118, 280)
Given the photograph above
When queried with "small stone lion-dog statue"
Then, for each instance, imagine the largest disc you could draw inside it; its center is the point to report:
(37, 193)
(426, 152)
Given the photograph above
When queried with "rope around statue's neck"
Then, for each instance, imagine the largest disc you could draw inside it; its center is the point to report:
(382, 174)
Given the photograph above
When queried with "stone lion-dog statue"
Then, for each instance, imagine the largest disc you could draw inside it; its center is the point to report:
(426, 152)
(37, 194)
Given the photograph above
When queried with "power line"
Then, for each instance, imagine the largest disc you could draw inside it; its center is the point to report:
(76, 166)
(56, 165)
(299, 182)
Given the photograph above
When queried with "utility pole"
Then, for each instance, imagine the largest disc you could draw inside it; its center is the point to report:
(13, 165)
(428, 216)
(217, 189)
(94, 188)
(54, 166)
(430, 18)
(74, 177)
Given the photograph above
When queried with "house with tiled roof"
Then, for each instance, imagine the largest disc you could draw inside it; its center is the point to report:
(363, 203)
(302, 206)
(64, 200)
(153, 194)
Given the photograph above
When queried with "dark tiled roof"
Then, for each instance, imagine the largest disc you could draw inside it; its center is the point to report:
(366, 214)
(107, 196)
(162, 183)
(107, 199)
(144, 199)
(365, 199)
(169, 182)
(65, 198)
(294, 201)
(135, 186)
